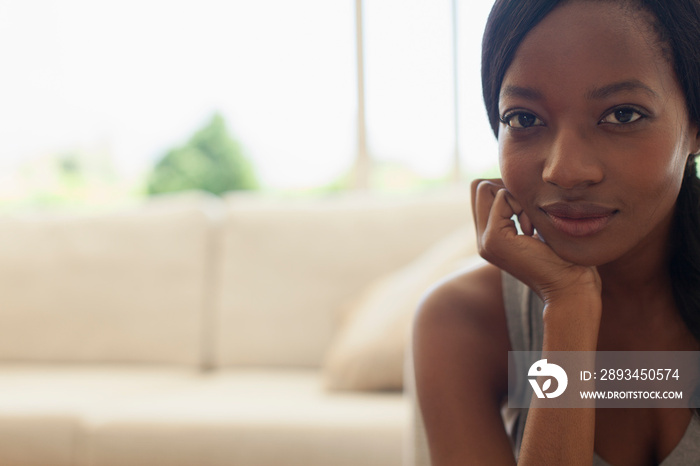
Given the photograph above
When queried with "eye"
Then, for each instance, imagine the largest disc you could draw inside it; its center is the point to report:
(519, 119)
(623, 115)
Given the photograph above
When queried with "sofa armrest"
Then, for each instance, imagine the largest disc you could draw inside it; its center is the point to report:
(416, 449)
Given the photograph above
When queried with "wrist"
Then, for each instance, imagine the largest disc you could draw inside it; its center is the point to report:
(572, 320)
(580, 283)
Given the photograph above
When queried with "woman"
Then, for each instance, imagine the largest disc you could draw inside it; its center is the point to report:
(596, 106)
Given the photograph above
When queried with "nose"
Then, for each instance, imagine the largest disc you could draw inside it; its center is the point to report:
(572, 162)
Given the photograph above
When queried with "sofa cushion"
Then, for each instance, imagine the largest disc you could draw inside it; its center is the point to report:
(128, 286)
(45, 409)
(368, 353)
(251, 418)
(288, 267)
(39, 439)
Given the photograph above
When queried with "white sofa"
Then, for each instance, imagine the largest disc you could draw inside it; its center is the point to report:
(196, 331)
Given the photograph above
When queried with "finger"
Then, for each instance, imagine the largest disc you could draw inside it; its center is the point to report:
(475, 185)
(526, 224)
(500, 216)
(523, 219)
(499, 229)
(483, 198)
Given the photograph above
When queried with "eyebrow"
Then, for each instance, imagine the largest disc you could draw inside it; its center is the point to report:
(527, 93)
(599, 93)
(622, 86)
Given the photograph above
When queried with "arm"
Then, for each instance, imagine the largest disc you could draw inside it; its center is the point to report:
(572, 297)
(460, 355)
(461, 345)
(564, 435)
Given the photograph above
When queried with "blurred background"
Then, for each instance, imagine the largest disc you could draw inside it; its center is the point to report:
(105, 102)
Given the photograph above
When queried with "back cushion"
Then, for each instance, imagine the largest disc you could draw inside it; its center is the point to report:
(288, 267)
(127, 287)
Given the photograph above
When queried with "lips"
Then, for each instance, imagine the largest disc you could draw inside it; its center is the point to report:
(579, 219)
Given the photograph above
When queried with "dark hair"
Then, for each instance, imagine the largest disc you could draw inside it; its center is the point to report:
(677, 25)
(676, 22)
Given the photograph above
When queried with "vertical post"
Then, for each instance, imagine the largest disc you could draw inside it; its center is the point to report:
(362, 167)
(456, 163)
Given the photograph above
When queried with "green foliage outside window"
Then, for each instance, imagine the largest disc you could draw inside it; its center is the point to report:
(210, 161)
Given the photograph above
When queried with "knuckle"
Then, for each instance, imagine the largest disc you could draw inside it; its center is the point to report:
(488, 248)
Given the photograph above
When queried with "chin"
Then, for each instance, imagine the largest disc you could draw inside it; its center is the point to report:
(586, 253)
(585, 260)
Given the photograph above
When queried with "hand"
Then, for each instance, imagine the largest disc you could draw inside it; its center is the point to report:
(526, 256)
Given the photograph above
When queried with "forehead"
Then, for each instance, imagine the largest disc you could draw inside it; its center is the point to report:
(585, 44)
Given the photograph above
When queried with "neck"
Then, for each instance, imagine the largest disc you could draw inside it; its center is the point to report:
(642, 275)
(636, 278)
(639, 310)
(639, 281)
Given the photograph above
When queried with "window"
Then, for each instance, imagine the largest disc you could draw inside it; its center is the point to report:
(95, 92)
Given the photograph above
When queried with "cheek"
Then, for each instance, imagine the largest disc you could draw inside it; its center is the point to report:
(659, 172)
(519, 172)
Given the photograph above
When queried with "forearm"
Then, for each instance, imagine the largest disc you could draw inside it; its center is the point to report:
(571, 293)
(556, 436)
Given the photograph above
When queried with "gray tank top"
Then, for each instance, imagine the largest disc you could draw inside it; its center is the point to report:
(525, 328)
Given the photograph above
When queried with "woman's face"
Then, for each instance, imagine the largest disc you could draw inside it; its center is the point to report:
(595, 133)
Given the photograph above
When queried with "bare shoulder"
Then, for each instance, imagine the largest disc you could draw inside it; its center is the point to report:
(461, 362)
(462, 321)
(473, 297)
